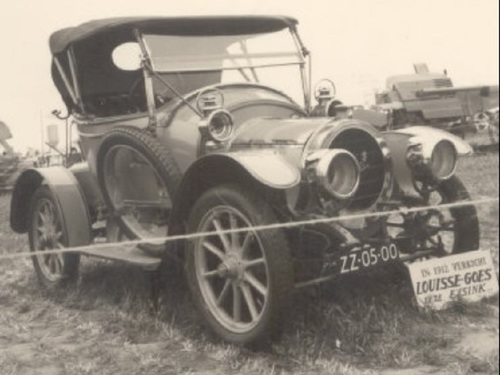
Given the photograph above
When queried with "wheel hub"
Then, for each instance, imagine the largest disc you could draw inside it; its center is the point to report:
(49, 237)
(232, 267)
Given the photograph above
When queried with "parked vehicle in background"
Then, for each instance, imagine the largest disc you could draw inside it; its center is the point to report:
(68, 155)
(205, 126)
(11, 164)
(50, 159)
(426, 98)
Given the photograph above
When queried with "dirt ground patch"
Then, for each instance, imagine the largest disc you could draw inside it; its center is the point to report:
(44, 336)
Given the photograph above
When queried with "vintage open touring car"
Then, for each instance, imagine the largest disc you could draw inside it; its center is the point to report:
(186, 129)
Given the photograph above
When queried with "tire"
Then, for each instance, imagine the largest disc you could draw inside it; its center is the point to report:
(138, 179)
(443, 231)
(47, 230)
(466, 228)
(250, 274)
(493, 130)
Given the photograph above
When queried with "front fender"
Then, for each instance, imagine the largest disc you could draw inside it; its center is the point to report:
(67, 193)
(431, 135)
(267, 167)
(262, 168)
(398, 142)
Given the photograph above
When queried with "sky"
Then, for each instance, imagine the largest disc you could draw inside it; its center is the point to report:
(355, 43)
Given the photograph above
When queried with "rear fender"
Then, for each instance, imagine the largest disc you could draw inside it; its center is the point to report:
(67, 194)
(260, 170)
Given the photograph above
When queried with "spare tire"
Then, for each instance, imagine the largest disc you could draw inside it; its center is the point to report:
(138, 178)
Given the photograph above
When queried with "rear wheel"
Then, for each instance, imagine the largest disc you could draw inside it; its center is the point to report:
(241, 280)
(47, 231)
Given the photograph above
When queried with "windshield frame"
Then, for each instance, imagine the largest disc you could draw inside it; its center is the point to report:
(301, 53)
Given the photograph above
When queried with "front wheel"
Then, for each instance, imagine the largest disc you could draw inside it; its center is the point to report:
(493, 129)
(47, 231)
(439, 232)
(240, 280)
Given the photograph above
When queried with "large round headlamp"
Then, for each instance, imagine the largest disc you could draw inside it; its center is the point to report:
(443, 160)
(337, 173)
(216, 123)
(219, 125)
(436, 159)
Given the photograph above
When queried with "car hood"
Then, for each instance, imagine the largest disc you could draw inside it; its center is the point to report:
(274, 131)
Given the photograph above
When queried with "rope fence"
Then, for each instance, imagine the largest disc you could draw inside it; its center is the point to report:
(257, 228)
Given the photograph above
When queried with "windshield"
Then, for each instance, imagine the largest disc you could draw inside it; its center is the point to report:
(192, 62)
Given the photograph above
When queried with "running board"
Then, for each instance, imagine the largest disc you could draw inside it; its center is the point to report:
(124, 253)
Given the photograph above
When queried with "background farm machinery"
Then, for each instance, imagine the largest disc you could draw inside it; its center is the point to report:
(427, 98)
(11, 163)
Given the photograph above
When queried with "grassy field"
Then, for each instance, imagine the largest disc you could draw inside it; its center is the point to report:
(358, 326)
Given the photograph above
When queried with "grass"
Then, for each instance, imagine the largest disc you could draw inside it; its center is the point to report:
(367, 325)
(480, 175)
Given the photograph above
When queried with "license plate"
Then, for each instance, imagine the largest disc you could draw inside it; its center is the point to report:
(363, 258)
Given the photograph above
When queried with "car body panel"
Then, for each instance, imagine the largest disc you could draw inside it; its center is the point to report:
(273, 131)
(179, 129)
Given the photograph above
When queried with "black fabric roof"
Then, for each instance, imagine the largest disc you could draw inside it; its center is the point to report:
(214, 25)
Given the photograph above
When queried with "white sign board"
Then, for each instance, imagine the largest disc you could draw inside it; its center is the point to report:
(466, 277)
